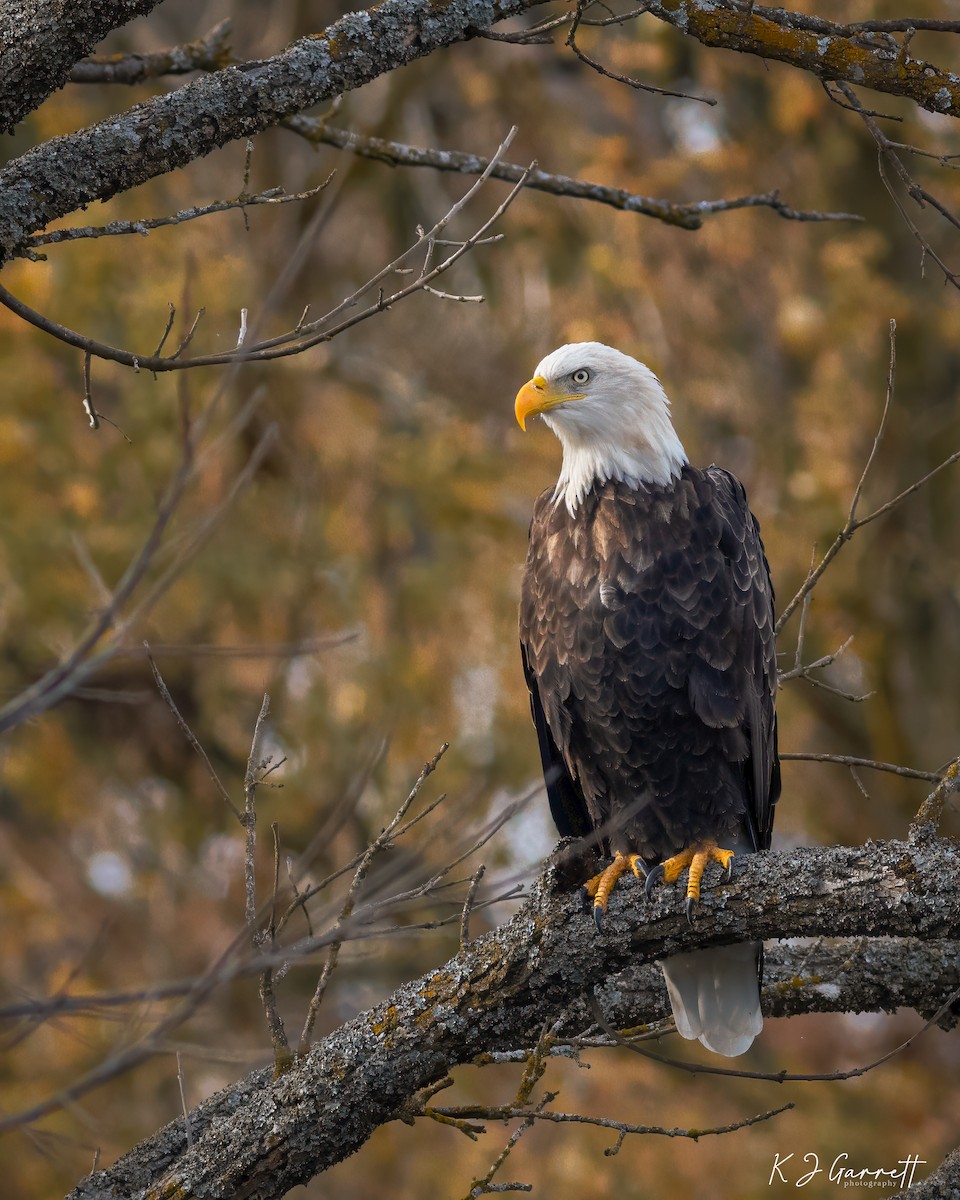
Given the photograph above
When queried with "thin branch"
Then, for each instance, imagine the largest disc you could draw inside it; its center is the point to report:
(113, 625)
(887, 152)
(802, 670)
(183, 1101)
(304, 336)
(208, 53)
(282, 1058)
(483, 1185)
(468, 905)
(382, 840)
(853, 523)
(509, 1112)
(637, 84)
(189, 734)
(59, 680)
(252, 777)
(847, 760)
(534, 35)
(145, 225)
(306, 647)
(88, 405)
(774, 1076)
(682, 215)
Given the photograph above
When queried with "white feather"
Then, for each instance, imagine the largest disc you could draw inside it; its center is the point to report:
(715, 996)
(619, 428)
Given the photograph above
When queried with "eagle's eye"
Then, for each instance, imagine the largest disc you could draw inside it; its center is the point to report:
(581, 377)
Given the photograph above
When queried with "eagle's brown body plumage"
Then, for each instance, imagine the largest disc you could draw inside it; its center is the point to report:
(646, 622)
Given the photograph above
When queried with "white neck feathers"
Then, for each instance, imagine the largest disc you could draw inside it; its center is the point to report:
(620, 430)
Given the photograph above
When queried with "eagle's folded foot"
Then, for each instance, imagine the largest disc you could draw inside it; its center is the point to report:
(696, 858)
(599, 888)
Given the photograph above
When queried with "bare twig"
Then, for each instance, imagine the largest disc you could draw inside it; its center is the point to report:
(250, 781)
(846, 760)
(308, 646)
(853, 522)
(383, 839)
(508, 1112)
(189, 734)
(887, 151)
(483, 1186)
(282, 1058)
(314, 333)
(774, 1076)
(60, 680)
(110, 628)
(183, 1102)
(88, 405)
(535, 35)
(637, 84)
(145, 225)
(468, 905)
(802, 670)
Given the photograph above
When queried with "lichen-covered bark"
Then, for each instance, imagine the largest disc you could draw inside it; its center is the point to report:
(40, 40)
(867, 63)
(168, 131)
(263, 1136)
(941, 1184)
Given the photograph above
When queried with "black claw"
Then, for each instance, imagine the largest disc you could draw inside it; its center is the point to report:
(727, 872)
(585, 899)
(654, 875)
(598, 914)
(691, 908)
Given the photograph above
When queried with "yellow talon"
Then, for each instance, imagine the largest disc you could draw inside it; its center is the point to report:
(600, 887)
(696, 858)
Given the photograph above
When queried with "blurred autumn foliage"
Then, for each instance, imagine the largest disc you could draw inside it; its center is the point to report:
(387, 518)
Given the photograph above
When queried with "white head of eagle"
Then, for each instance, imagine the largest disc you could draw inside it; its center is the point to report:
(611, 415)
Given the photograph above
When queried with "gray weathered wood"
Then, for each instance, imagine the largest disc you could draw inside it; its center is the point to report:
(262, 1136)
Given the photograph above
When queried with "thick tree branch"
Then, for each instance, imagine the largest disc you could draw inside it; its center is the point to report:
(781, 36)
(171, 130)
(41, 40)
(168, 131)
(263, 1136)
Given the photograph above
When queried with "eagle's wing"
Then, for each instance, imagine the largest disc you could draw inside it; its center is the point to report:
(567, 804)
(752, 597)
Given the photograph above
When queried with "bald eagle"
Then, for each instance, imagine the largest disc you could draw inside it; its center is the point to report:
(647, 636)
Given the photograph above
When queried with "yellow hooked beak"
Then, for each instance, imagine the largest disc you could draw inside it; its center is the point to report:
(537, 396)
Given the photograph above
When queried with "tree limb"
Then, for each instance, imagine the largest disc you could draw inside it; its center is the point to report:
(206, 53)
(171, 130)
(780, 36)
(683, 215)
(263, 1136)
(40, 40)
